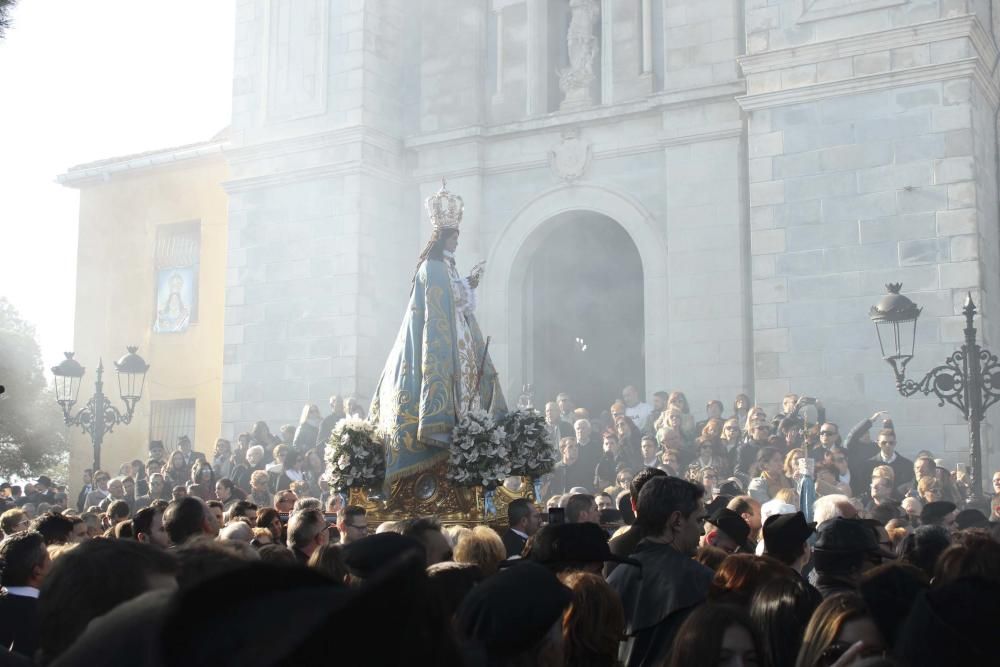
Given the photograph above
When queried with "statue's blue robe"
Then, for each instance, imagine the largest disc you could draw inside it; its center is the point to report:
(415, 407)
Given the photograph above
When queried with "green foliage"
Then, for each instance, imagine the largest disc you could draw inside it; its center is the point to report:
(32, 434)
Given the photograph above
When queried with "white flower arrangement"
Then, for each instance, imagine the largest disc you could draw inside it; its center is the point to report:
(355, 458)
(532, 450)
(479, 454)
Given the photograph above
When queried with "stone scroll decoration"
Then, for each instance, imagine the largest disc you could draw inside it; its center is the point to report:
(576, 80)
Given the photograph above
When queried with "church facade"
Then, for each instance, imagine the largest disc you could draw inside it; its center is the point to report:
(705, 195)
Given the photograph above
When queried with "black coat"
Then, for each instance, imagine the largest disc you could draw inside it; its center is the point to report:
(606, 470)
(513, 542)
(83, 496)
(657, 598)
(902, 468)
(623, 545)
(565, 477)
(19, 623)
(590, 455)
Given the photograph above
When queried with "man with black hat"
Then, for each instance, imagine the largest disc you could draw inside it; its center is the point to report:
(495, 622)
(43, 492)
(786, 539)
(939, 513)
(574, 547)
(366, 557)
(842, 552)
(729, 532)
(749, 510)
(971, 518)
(660, 594)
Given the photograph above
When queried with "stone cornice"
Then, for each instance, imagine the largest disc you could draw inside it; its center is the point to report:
(654, 146)
(968, 68)
(714, 135)
(855, 45)
(611, 113)
(980, 66)
(309, 142)
(352, 167)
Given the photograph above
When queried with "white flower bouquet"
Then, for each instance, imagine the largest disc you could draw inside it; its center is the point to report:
(355, 458)
(479, 454)
(533, 453)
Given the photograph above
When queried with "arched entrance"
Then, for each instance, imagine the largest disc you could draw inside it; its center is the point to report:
(515, 246)
(583, 310)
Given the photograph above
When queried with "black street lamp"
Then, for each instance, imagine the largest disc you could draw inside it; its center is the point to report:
(969, 379)
(99, 416)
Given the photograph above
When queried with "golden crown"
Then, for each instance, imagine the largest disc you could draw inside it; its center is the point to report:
(444, 208)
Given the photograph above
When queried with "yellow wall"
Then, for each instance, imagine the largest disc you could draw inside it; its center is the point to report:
(115, 300)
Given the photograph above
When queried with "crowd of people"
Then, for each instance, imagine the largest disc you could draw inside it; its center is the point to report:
(663, 539)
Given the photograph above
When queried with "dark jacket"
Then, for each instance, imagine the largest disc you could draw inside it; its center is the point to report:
(565, 477)
(624, 545)
(19, 623)
(859, 453)
(746, 456)
(657, 598)
(590, 454)
(828, 585)
(607, 469)
(565, 431)
(902, 468)
(513, 543)
(83, 496)
(241, 476)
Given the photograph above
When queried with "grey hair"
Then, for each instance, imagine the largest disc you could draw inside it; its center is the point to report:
(307, 504)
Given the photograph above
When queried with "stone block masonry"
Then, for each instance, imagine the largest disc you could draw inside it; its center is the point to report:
(862, 117)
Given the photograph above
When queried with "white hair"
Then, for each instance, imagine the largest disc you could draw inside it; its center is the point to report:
(829, 507)
(238, 531)
(775, 506)
(389, 527)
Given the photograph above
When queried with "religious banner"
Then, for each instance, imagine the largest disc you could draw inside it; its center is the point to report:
(175, 299)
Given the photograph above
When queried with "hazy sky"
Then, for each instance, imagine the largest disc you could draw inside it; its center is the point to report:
(82, 81)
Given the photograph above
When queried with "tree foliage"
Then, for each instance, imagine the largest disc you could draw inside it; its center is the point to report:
(5, 7)
(32, 434)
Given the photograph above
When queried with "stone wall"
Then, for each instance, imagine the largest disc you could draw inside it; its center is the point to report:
(316, 191)
(872, 160)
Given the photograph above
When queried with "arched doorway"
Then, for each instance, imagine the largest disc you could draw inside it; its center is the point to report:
(583, 299)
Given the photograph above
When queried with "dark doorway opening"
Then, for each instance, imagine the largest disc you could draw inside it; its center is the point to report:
(584, 324)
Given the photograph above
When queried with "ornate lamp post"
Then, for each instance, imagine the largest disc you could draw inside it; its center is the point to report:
(99, 416)
(969, 379)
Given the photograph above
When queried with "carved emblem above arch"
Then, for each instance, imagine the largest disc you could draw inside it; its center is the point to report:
(570, 157)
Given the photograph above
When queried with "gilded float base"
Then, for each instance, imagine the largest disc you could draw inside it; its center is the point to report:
(431, 493)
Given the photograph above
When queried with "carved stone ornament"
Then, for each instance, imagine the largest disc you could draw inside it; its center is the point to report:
(570, 157)
(581, 46)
